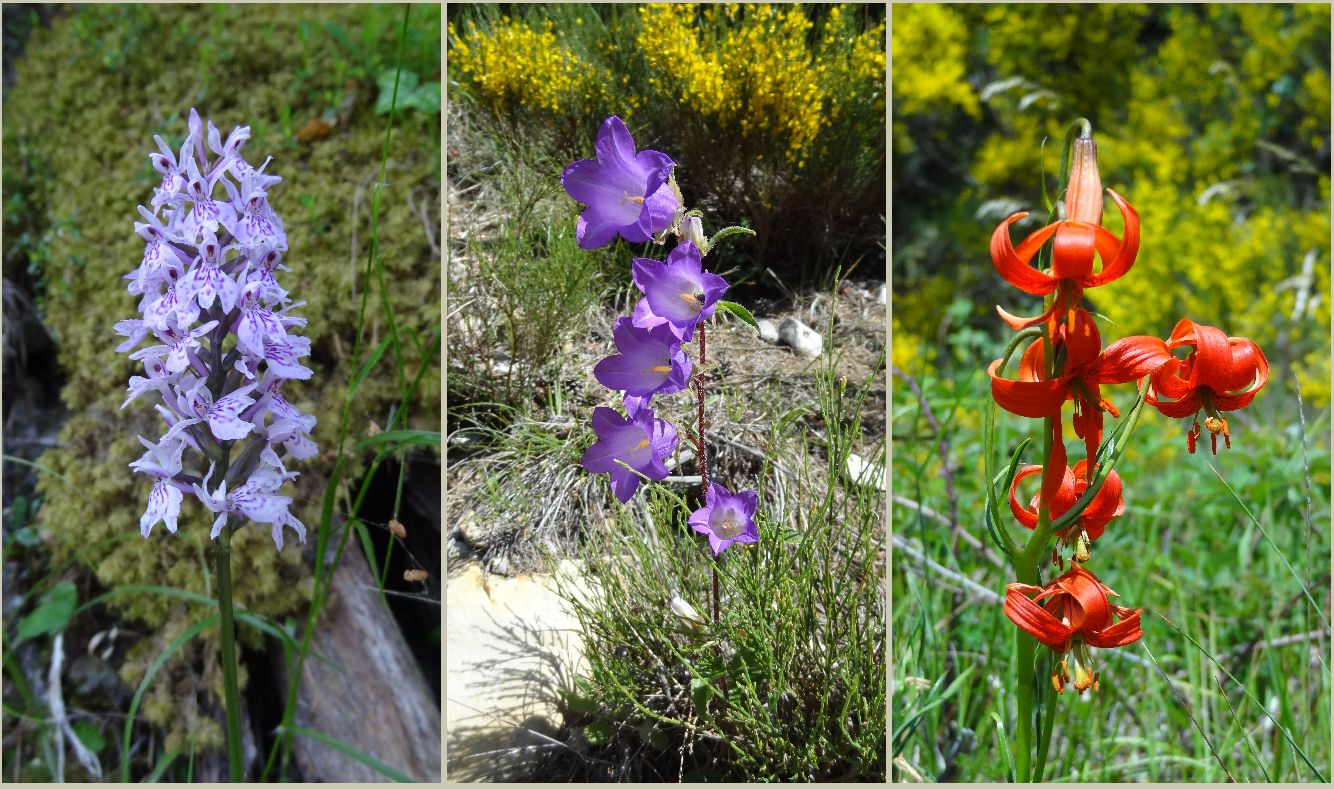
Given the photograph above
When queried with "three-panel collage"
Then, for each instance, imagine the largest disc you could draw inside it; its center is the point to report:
(666, 392)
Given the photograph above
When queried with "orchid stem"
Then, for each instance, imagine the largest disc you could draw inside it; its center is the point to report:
(230, 687)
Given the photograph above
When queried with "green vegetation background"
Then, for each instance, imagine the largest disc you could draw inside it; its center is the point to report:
(1213, 121)
(91, 91)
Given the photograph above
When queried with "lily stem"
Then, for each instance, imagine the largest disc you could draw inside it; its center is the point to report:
(230, 688)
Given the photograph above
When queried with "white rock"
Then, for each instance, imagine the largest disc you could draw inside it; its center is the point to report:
(862, 472)
(511, 645)
(803, 339)
(881, 294)
(768, 331)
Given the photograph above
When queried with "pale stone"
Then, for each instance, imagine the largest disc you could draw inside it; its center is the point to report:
(862, 472)
(804, 340)
(768, 331)
(512, 645)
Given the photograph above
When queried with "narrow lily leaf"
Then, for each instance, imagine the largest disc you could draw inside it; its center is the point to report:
(740, 312)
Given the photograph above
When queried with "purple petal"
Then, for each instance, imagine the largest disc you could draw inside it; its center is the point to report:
(657, 213)
(616, 148)
(164, 504)
(623, 484)
(593, 230)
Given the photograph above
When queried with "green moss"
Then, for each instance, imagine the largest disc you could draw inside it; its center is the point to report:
(90, 93)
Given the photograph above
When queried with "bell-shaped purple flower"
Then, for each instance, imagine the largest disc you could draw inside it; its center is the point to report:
(726, 518)
(642, 443)
(626, 191)
(680, 290)
(651, 361)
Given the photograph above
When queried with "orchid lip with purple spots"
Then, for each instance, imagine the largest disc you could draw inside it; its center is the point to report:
(679, 291)
(626, 191)
(651, 361)
(726, 518)
(643, 442)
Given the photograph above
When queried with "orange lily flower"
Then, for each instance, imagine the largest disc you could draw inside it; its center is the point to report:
(1072, 255)
(1069, 615)
(1107, 504)
(1221, 374)
(1035, 396)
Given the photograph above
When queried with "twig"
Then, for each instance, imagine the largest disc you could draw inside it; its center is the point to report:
(968, 584)
(1189, 711)
(975, 543)
(56, 702)
(1281, 641)
(942, 448)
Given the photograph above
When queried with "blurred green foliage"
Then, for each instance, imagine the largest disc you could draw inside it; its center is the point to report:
(773, 113)
(1212, 120)
(90, 93)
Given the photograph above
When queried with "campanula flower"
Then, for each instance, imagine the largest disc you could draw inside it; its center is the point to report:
(1221, 373)
(679, 291)
(1069, 615)
(651, 361)
(626, 191)
(726, 518)
(643, 443)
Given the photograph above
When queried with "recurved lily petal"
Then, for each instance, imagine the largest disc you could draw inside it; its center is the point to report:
(1071, 614)
(1220, 374)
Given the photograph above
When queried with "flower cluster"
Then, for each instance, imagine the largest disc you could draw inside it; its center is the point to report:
(225, 348)
(633, 194)
(1068, 363)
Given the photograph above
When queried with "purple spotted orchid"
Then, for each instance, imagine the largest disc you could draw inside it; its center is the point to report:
(225, 341)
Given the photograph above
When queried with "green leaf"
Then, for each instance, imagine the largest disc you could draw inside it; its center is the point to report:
(52, 614)
(404, 438)
(740, 312)
(352, 753)
(88, 734)
(407, 82)
(597, 733)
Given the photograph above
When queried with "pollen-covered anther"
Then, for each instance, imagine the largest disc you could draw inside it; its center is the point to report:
(636, 199)
(1106, 405)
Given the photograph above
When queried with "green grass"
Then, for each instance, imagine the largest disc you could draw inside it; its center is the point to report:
(1228, 556)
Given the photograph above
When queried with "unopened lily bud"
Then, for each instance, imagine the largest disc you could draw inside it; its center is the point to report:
(1083, 197)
